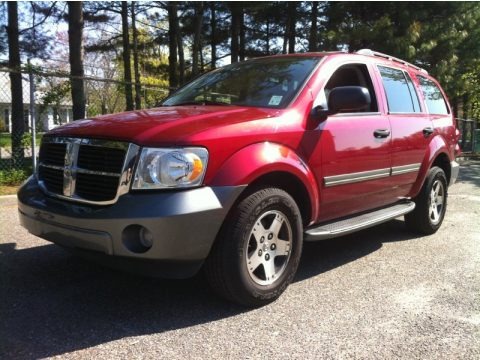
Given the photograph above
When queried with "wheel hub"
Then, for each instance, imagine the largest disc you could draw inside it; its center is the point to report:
(268, 250)
(437, 200)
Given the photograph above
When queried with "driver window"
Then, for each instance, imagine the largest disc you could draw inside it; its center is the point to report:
(349, 75)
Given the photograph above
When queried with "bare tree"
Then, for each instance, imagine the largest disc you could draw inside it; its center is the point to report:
(75, 43)
(313, 38)
(181, 56)
(138, 91)
(197, 48)
(126, 57)
(237, 14)
(292, 20)
(213, 25)
(18, 125)
(172, 44)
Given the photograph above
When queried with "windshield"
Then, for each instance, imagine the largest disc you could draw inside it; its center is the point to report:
(271, 82)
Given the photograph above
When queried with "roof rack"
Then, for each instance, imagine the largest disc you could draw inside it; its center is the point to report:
(369, 52)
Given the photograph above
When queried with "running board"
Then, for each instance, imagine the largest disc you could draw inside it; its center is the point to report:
(359, 222)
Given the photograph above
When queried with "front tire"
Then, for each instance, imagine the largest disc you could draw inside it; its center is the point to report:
(431, 204)
(257, 252)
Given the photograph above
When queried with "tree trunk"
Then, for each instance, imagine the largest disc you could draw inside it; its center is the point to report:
(202, 62)
(235, 31)
(126, 58)
(267, 40)
(18, 125)
(465, 104)
(292, 12)
(285, 34)
(455, 106)
(313, 38)
(181, 56)
(75, 43)
(241, 52)
(138, 88)
(172, 45)
(197, 37)
(213, 43)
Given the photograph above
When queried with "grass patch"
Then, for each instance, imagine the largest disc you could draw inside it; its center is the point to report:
(6, 139)
(13, 177)
(8, 190)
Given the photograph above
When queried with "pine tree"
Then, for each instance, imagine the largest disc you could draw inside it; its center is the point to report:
(75, 41)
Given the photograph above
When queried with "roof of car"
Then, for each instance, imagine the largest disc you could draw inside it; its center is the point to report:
(363, 52)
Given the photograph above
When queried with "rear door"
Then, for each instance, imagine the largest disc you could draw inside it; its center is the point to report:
(411, 128)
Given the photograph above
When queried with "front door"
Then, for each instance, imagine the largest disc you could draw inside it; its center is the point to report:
(354, 151)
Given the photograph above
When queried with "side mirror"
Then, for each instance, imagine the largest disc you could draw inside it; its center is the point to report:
(341, 99)
(348, 99)
(319, 114)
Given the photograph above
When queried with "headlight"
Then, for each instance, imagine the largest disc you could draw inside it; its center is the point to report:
(170, 168)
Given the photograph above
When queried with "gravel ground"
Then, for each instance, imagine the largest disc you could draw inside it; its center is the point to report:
(379, 294)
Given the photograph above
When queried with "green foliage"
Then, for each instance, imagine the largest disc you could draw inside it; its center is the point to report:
(13, 177)
(154, 90)
(6, 139)
(55, 94)
(441, 37)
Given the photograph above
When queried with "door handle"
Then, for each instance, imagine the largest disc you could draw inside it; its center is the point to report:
(381, 133)
(427, 131)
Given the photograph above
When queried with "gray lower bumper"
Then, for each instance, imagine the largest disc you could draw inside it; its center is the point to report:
(455, 171)
(184, 224)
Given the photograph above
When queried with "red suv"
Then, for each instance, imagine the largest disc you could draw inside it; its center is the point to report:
(240, 166)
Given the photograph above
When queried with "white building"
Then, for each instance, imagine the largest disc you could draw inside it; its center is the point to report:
(46, 117)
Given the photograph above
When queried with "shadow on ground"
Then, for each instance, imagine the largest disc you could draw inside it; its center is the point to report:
(52, 303)
(470, 172)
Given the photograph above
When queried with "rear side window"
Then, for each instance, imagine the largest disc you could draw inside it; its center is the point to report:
(401, 95)
(413, 93)
(436, 103)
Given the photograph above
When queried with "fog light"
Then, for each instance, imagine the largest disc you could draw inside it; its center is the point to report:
(137, 238)
(146, 237)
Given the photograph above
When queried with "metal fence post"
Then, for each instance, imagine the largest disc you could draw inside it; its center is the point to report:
(32, 115)
(475, 139)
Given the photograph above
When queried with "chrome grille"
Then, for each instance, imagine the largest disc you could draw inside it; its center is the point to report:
(52, 178)
(101, 159)
(96, 187)
(53, 153)
(86, 170)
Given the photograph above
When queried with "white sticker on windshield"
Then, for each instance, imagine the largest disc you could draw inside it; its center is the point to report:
(275, 100)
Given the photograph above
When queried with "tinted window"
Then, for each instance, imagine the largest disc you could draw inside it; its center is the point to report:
(350, 75)
(271, 82)
(399, 96)
(413, 93)
(433, 97)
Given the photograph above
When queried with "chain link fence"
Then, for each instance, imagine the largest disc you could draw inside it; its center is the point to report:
(469, 136)
(47, 104)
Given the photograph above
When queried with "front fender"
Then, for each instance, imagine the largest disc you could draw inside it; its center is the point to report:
(436, 147)
(253, 161)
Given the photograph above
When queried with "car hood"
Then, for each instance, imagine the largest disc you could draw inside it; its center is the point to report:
(162, 125)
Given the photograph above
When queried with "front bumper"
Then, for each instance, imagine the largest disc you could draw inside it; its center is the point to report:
(455, 169)
(184, 224)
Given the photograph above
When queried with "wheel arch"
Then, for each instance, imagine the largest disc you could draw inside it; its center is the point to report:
(437, 155)
(290, 184)
(270, 164)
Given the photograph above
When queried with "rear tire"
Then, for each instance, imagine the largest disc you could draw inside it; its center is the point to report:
(431, 204)
(257, 252)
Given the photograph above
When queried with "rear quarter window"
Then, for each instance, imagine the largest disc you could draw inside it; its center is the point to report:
(434, 99)
(401, 95)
